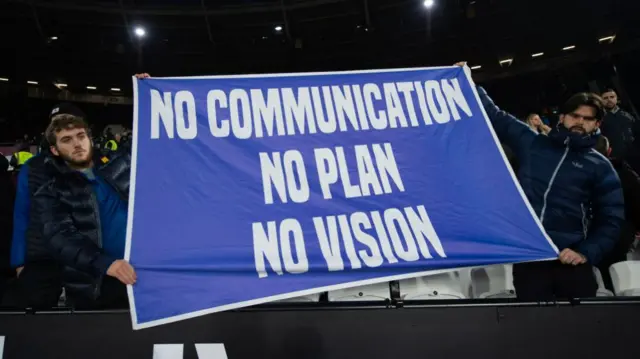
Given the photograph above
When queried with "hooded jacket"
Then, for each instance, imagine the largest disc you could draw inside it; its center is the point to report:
(563, 177)
(68, 208)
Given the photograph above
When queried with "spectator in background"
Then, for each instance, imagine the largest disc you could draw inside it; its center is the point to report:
(21, 156)
(631, 189)
(535, 123)
(562, 177)
(618, 126)
(112, 144)
(84, 211)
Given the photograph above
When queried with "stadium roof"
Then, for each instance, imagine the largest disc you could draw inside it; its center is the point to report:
(93, 43)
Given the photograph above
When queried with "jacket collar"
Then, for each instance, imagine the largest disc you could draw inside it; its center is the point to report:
(61, 168)
(562, 136)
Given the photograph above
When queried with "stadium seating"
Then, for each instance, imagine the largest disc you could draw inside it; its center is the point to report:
(625, 277)
(493, 282)
(302, 299)
(437, 286)
(602, 290)
(373, 292)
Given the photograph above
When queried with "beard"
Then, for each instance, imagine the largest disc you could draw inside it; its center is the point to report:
(578, 129)
(82, 160)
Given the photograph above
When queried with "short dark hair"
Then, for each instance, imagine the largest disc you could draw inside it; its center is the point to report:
(63, 122)
(584, 99)
(602, 145)
(609, 89)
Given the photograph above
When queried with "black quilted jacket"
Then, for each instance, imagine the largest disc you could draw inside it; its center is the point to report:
(68, 208)
(40, 172)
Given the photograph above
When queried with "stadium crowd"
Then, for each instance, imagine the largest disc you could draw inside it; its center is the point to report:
(63, 211)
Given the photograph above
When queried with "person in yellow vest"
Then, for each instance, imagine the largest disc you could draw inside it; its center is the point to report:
(112, 145)
(20, 158)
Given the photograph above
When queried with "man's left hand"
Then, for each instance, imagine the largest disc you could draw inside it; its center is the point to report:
(569, 256)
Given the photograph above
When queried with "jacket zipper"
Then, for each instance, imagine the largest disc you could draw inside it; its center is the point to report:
(553, 178)
(96, 212)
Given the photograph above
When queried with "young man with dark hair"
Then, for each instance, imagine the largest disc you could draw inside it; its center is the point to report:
(619, 126)
(563, 178)
(84, 211)
(40, 284)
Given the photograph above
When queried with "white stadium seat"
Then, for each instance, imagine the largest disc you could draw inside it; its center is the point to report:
(494, 281)
(372, 292)
(625, 277)
(438, 286)
(602, 290)
(302, 299)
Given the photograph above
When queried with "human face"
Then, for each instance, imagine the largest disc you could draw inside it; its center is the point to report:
(74, 147)
(610, 100)
(535, 121)
(582, 120)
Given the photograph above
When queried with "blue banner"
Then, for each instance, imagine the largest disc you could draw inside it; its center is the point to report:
(249, 189)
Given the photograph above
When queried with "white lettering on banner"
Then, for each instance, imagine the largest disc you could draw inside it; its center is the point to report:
(350, 191)
(298, 112)
(278, 238)
(410, 230)
(291, 228)
(187, 129)
(345, 231)
(362, 112)
(439, 111)
(240, 108)
(327, 170)
(328, 124)
(329, 242)
(307, 110)
(407, 88)
(362, 239)
(382, 236)
(333, 167)
(176, 351)
(378, 119)
(266, 115)
(163, 111)
(284, 181)
(455, 98)
(394, 108)
(366, 171)
(344, 107)
(393, 216)
(266, 246)
(360, 222)
(213, 97)
(422, 102)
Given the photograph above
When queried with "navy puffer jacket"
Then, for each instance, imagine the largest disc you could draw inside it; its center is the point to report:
(564, 178)
(68, 209)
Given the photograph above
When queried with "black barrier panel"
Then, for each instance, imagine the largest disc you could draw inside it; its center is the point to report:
(585, 331)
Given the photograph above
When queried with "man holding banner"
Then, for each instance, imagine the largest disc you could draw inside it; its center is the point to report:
(565, 179)
(83, 209)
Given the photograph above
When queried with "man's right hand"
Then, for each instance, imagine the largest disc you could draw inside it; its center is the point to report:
(142, 75)
(123, 271)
